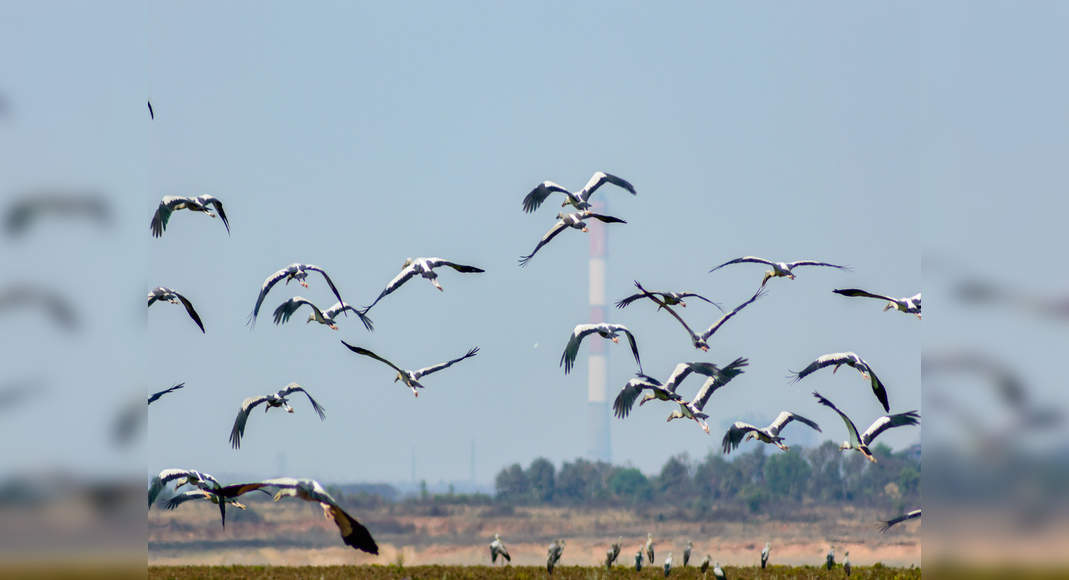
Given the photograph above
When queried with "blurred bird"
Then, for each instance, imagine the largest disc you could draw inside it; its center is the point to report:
(704, 567)
(649, 546)
(765, 554)
(839, 359)
(167, 295)
(686, 553)
(605, 330)
(638, 560)
(157, 395)
(497, 548)
(909, 305)
(846, 562)
(779, 269)
(910, 515)
(553, 555)
(668, 565)
(740, 431)
(425, 268)
(275, 400)
(172, 203)
(22, 296)
(580, 200)
(861, 442)
(410, 378)
(718, 572)
(21, 213)
(614, 551)
(829, 560)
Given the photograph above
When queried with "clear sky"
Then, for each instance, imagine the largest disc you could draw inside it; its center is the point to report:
(355, 135)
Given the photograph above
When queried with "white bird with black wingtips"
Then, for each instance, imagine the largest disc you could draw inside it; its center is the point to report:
(861, 441)
(569, 220)
(294, 272)
(694, 409)
(274, 400)
(410, 378)
(699, 341)
(605, 330)
(909, 304)
(172, 203)
(740, 431)
(838, 359)
(779, 269)
(625, 400)
(425, 268)
(580, 200)
(326, 317)
(161, 294)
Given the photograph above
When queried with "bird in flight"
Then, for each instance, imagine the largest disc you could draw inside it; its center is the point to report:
(167, 295)
(410, 378)
(326, 317)
(740, 431)
(909, 305)
(277, 399)
(171, 203)
(580, 200)
(425, 268)
(779, 269)
(295, 271)
(569, 220)
(605, 330)
(838, 359)
(861, 441)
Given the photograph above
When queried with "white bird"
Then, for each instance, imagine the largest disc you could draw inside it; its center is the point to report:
(353, 533)
(861, 442)
(625, 400)
(686, 553)
(326, 317)
(704, 566)
(740, 431)
(886, 524)
(497, 548)
(694, 409)
(779, 269)
(846, 562)
(172, 203)
(182, 477)
(765, 554)
(649, 546)
(295, 271)
(277, 399)
(154, 396)
(553, 555)
(608, 559)
(410, 378)
(200, 494)
(605, 330)
(167, 295)
(909, 305)
(829, 560)
(569, 220)
(839, 359)
(669, 298)
(668, 565)
(718, 572)
(614, 551)
(425, 268)
(700, 341)
(578, 200)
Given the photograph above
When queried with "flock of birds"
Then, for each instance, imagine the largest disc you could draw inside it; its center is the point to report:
(208, 488)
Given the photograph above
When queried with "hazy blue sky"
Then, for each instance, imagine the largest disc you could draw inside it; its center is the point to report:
(353, 136)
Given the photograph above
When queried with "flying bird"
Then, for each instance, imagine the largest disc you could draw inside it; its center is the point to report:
(182, 477)
(21, 296)
(861, 442)
(700, 341)
(353, 533)
(779, 269)
(151, 113)
(26, 210)
(497, 548)
(625, 400)
(167, 295)
(200, 494)
(425, 268)
(605, 330)
(569, 220)
(838, 359)
(764, 554)
(154, 396)
(909, 305)
(694, 409)
(579, 200)
(171, 203)
(740, 431)
(669, 298)
(410, 378)
(910, 515)
(274, 400)
(326, 317)
(295, 271)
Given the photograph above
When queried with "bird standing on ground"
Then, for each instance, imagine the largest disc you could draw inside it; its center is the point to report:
(410, 378)
(425, 268)
(829, 560)
(686, 553)
(765, 554)
(638, 560)
(909, 305)
(167, 295)
(704, 567)
(614, 551)
(497, 548)
(668, 565)
(649, 546)
(861, 442)
(839, 359)
(580, 200)
(846, 562)
(553, 555)
(274, 400)
(740, 431)
(295, 271)
(605, 330)
(718, 572)
(171, 203)
(779, 269)
(326, 317)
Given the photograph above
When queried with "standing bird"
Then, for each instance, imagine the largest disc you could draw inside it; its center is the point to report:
(295, 271)
(909, 305)
(829, 560)
(569, 220)
(779, 269)
(700, 341)
(605, 330)
(277, 399)
(154, 396)
(425, 268)
(614, 551)
(886, 524)
(553, 555)
(171, 203)
(861, 442)
(410, 378)
(608, 559)
(497, 547)
(839, 359)
(167, 295)
(668, 565)
(649, 546)
(846, 562)
(353, 533)
(580, 200)
(638, 560)
(764, 555)
(740, 431)
(325, 317)
(694, 409)
(686, 553)
(704, 567)
(625, 400)
(718, 572)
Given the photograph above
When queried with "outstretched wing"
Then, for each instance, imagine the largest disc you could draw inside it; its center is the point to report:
(295, 388)
(406, 273)
(700, 297)
(856, 292)
(556, 229)
(631, 340)
(159, 394)
(683, 370)
(717, 380)
(218, 205)
(744, 259)
(330, 282)
(353, 533)
(601, 178)
(716, 325)
(269, 282)
(786, 417)
(662, 304)
(151, 113)
(539, 194)
(181, 498)
(571, 350)
(163, 214)
(340, 307)
(189, 308)
(604, 218)
(433, 369)
(733, 437)
(795, 264)
(887, 422)
(826, 360)
(879, 390)
(886, 524)
(161, 480)
(287, 308)
(437, 262)
(625, 400)
(238, 431)
(855, 438)
(366, 352)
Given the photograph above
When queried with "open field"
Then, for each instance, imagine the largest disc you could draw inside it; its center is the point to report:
(517, 573)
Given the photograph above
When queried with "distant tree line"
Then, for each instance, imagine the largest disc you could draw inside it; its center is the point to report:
(752, 481)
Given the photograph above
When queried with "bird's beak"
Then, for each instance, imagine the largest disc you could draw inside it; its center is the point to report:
(683, 304)
(704, 348)
(334, 327)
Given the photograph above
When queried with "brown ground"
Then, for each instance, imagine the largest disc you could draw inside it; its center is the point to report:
(295, 534)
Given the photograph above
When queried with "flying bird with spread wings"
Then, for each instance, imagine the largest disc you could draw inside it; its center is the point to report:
(580, 200)
(740, 431)
(425, 268)
(173, 203)
(569, 220)
(861, 441)
(155, 396)
(909, 304)
(779, 269)
(278, 399)
(699, 342)
(695, 408)
(294, 272)
(625, 400)
(161, 294)
(838, 359)
(605, 330)
(326, 317)
(410, 378)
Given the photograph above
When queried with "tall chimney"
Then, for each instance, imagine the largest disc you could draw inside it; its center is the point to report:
(598, 444)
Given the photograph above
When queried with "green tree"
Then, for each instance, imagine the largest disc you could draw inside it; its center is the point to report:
(541, 477)
(786, 474)
(629, 483)
(674, 479)
(511, 484)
